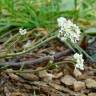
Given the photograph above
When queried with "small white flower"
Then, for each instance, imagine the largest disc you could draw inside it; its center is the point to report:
(22, 31)
(79, 61)
(68, 30)
(61, 21)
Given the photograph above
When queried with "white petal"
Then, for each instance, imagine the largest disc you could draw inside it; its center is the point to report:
(22, 31)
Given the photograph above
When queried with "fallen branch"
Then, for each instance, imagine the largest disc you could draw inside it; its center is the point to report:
(37, 61)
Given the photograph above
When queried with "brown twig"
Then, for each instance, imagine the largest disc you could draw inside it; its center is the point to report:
(37, 61)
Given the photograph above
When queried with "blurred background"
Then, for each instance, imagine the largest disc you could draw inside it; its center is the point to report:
(44, 13)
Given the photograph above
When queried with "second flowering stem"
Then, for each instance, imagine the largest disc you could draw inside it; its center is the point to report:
(30, 49)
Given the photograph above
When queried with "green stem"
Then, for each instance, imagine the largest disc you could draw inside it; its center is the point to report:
(82, 51)
(75, 4)
(69, 45)
(76, 10)
(15, 36)
(9, 45)
(65, 62)
(30, 49)
(91, 33)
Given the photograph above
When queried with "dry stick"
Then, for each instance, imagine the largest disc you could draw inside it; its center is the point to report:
(37, 70)
(37, 61)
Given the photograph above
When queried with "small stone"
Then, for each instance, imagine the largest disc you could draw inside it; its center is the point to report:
(92, 94)
(90, 83)
(68, 80)
(46, 76)
(78, 85)
(77, 73)
(58, 75)
(82, 95)
(56, 86)
(15, 77)
(42, 73)
(29, 76)
(83, 77)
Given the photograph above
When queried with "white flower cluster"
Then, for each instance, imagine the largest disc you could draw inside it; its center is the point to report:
(79, 61)
(68, 30)
(22, 31)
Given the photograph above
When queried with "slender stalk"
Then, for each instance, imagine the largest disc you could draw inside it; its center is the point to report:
(30, 49)
(75, 4)
(15, 36)
(9, 45)
(82, 51)
(36, 61)
(69, 45)
(91, 33)
(76, 10)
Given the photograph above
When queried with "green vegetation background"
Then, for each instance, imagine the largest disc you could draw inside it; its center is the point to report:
(43, 13)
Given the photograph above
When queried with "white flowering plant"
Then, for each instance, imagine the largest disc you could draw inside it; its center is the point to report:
(68, 30)
(22, 31)
(79, 61)
(70, 34)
